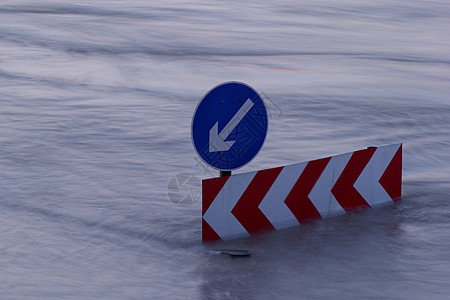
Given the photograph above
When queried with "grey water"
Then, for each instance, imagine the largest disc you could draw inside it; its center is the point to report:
(96, 101)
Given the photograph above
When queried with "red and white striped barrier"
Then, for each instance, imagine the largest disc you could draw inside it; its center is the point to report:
(246, 204)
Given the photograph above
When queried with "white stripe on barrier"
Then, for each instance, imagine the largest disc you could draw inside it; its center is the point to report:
(273, 206)
(219, 214)
(321, 195)
(368, 184)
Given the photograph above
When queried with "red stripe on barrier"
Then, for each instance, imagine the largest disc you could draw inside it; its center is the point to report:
(344, 191)
(246, 209)
(297, 200)
(391, 180)
(208, 234)
(210, 189)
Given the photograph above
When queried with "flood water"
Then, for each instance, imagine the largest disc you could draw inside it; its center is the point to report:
(96, 102)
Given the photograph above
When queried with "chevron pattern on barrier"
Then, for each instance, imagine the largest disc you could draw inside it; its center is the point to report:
(246, 204)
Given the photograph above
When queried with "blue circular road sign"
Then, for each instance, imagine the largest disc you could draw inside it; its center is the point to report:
(229, 126)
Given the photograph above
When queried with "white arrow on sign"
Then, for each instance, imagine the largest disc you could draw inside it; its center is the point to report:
(217, 140)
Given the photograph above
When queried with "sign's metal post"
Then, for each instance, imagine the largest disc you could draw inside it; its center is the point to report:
(225, 173)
